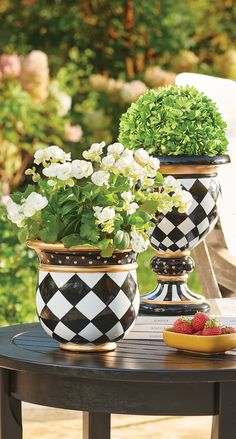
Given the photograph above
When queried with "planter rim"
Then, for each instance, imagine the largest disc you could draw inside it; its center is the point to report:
(58, 246)
(194, 160)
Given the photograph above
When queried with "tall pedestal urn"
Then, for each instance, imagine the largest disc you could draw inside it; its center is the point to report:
(176, 234)
(84, 301)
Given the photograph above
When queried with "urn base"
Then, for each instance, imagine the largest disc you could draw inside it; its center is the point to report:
(74, 347)
(181, 309)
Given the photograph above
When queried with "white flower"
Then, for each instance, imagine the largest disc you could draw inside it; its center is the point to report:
(125, 162)
(94, 152)
(36, 201)
(108, 161)
(127, 196)
(104, 214)
(138, 172)
(141, 156)
(81, 169)
(64, 101)
(28, 210)
(100, 178)
(64, 171)
(154, 163)
(40, 156)
(172, 182)
(14, 213)
(56, 153)
(51, 153)
(115, 149)
(51, 170)
(138, 243)
(131, 208)
(187, 199)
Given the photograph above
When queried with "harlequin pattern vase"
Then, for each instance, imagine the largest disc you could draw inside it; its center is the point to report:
(84, 301)
(176, 234)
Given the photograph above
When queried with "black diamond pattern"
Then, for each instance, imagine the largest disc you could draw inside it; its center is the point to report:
(72, 286)
(77, 292)
(205, 192)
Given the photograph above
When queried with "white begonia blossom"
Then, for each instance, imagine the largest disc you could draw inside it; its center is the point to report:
(138, 243)
(14, 213)
(170, 181)
(36, 201)
(127, 196)
(141, 156)
(124, 163)
(62, 171)
(108, 161)
(56, 153)
(132, 207)
(81, 169)
(100, 178)
(51, 153)
(104, 214)
(94, 152)
(154, 163)
(115, 149)
(138, 172)
(187, 199)
(28, 210)
(40, 156)
(51, 170)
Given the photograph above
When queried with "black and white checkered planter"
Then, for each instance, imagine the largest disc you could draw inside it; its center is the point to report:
(84, 301)
(175, 235)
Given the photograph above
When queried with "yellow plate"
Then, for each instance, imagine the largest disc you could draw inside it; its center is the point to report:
(204, 344)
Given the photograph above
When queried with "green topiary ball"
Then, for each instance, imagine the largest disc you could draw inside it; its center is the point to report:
(174, 121)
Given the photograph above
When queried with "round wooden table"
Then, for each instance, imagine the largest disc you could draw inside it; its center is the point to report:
(141, 377)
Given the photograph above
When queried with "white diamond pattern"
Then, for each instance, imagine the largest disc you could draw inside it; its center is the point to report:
(59, 305)
(120, 304)
(91, 305)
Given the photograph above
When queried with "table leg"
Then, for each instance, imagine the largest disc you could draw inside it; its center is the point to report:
(224, 425)
(96, 425)
(10, 410)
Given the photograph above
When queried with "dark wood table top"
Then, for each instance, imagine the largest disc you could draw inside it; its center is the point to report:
(28, 348)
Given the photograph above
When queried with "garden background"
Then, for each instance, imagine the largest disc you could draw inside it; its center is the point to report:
(68, 70)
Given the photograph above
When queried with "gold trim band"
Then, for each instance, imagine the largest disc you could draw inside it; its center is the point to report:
(172, 254)
(39, 245)
(167, 278)
(77, 269)
(188, 169)
(73, 347)
(169, 302)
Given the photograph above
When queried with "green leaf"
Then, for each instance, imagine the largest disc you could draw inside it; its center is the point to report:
(149, 206)
(22, 235)
(72, 240)
(51, 230)
(68, 207)
(107, 253)
(138, 219)
(89, 230)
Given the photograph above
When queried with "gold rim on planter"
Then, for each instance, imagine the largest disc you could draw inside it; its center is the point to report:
(73, 347)
(188, 169)
(87, 269)
(58, 246)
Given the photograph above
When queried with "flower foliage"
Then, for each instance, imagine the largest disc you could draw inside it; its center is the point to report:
(108, 200)
(174, 121)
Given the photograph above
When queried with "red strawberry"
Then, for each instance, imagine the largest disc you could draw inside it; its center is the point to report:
(228, 330)
(212, 327)
(183, 326)
(199, 321)
(198, 333)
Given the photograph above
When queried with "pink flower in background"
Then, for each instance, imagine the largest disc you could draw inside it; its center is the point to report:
(35, 75)
(10, 66)
(73, 133)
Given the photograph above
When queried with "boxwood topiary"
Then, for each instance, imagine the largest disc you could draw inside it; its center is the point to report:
(174, 121)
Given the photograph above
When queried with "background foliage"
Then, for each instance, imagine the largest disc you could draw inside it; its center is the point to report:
(103, 54)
